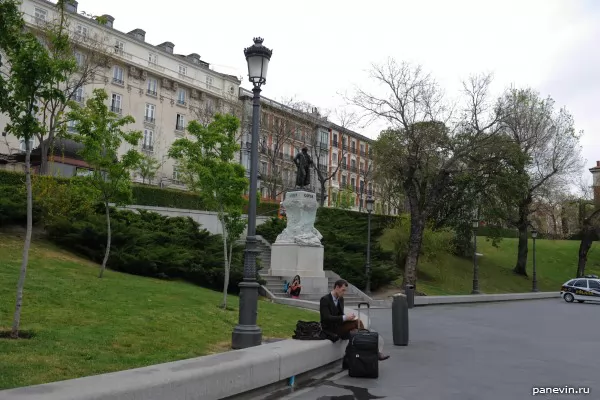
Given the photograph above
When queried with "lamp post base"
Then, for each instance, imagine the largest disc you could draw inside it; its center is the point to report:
(247, 333)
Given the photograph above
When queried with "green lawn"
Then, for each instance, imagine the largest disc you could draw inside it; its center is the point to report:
(85, 326)
(556, 262)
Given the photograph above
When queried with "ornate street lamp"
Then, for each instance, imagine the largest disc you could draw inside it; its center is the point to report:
(534, 288)
(247, 333)
(369, 205)
(475, 266)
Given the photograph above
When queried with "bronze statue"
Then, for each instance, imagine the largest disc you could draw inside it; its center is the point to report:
(303, 163)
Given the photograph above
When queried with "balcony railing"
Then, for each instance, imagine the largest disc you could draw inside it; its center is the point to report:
(149, 119)
(148, 147)
(118, 81)
(335, 144)
(152, 92)
(179, 127)
(116, 109)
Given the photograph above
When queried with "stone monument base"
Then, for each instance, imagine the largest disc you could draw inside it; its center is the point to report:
(290, 259)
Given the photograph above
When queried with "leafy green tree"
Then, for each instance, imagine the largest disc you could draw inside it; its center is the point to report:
(210, 169)
(100, 132)
(427, 141)
(29, 77)
(148, 167)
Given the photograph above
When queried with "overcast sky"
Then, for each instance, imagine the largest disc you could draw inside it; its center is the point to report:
(323, 47)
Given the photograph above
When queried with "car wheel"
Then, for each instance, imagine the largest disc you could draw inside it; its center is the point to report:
(568, 297)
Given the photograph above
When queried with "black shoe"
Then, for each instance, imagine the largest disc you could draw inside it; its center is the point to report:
(383, 357)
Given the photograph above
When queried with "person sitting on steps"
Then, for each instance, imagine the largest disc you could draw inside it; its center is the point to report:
(295, 288)
(333, 319)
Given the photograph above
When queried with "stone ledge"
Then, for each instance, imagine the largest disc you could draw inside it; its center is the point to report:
(203, 378)
(480, 298)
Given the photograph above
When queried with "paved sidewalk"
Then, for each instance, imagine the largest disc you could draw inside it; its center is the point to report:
(489, 351)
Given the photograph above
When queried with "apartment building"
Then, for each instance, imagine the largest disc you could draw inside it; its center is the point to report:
(284, 131)
(161, 89)
(344, 157)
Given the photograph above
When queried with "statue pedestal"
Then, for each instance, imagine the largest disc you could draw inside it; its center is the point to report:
(298, 249)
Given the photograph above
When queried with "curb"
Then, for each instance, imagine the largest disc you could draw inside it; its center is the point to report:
(483, 298)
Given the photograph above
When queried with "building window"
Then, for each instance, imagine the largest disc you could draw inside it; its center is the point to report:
(152, 86)
(150, 114)
(81, 30)
(118, 75)
(209, 80)
(22, 144)
(181, 96)
(78, 95)
(148, 144)
(119, 46)
(115, 105)
(180, 123)
(183, 70)
(176, 173)
(40, 14)
(152, 58)
(334, 158)
(71, 126)
(79, 58)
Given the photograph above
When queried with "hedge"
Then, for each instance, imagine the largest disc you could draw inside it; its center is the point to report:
(145, 195)
(345, 242)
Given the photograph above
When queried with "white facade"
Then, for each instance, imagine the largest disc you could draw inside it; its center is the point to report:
(160, 89)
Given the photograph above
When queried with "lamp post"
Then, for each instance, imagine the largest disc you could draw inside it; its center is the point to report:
(369, 205)
(246, 333)
(534, 288)
(475, 266)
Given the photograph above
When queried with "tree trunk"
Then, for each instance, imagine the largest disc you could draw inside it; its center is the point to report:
(322, 200)
(521, 267)
(555, 225)
(44, 158)
(415, 240)
(584, 248)
(24, 262)
(226, 266)
(588, 235)
(108, 237)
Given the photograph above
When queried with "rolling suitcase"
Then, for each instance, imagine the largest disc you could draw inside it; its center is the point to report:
(362, 352)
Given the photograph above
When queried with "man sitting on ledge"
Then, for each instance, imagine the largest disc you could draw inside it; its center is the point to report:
(334, 320)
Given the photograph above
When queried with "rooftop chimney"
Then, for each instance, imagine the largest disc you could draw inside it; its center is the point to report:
(166, 46)
(139, 34)
(194, 58)
(109, 20)
(596, 183)
(71, 6)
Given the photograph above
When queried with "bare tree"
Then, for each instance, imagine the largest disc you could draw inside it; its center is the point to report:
(425, 144)
(548, 140)
(91, 56)
(272, 147)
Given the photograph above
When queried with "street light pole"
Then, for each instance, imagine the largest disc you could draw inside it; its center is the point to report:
(475, 266)
(246, 333)
(534, 284)
(369, 202)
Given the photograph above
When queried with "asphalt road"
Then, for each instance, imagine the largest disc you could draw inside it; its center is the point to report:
(493, 351)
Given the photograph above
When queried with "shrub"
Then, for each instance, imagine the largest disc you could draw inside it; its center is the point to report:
(153, 245)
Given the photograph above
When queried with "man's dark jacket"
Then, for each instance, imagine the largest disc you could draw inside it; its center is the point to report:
(332, 317)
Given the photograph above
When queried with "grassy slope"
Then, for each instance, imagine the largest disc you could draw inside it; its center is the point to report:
(84, 325)
(556, 262)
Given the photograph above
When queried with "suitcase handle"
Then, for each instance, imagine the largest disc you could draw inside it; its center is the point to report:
(368, 310)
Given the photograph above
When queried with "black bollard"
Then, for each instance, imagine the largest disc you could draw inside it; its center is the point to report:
(410, 295)
(400, 320)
